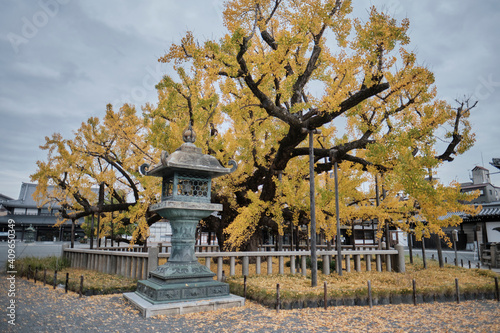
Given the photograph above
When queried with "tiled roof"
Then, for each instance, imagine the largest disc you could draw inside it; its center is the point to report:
(487, 210)
(25, 199)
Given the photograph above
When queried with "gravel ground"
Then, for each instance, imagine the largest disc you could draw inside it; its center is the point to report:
(42, 309)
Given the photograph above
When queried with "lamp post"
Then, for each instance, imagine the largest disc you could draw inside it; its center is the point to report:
(185, 199)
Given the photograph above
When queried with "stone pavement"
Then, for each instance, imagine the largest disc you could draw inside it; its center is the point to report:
(42, 309)
(35, 249)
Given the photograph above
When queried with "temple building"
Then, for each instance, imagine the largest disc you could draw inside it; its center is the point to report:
(25, 212)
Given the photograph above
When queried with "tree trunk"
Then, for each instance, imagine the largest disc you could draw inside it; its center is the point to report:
(423, 253)
(219, 233)
(439, 251)
(72, 234)
(254, 242)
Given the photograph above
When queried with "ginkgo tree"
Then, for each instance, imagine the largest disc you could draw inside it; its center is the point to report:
(288, 67)
(108, 152)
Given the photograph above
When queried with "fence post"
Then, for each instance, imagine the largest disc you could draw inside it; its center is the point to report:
(281, 261)
(326, 265)
(232, 264)
(370, 299)
(269, 265)
(134, 268)
(64, 247)
(152, 259)
(497, 292)
(55, 279)
(292, 264)
(400, 259)
(81, 285)
(278, 300)
(245, 265)
(325, 296)
(257, 265)
(368, 261)
(357, 262)
(379, 263)
(348, 263)
(67, 283)
(458, 291)
(219, 268)
(414, 292)
(128, 267)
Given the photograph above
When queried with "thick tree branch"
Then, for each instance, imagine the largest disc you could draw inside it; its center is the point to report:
(456, 136)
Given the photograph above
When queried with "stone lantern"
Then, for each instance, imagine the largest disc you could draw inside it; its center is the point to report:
(30, 234)
(185, 199)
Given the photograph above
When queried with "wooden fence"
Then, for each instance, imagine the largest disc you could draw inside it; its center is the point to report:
(137, 265)
(162, 248)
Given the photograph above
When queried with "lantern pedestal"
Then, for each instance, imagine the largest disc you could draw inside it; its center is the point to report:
(182, 277)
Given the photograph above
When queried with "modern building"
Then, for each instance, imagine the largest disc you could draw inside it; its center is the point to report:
(25, 213)
(480, 180)
(484, 227)
(160, 232)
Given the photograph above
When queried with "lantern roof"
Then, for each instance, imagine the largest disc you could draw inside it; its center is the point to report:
(189, 159)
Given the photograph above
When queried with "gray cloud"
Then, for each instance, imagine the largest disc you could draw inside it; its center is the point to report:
(62, 61)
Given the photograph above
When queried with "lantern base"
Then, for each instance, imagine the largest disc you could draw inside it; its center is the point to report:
(149, 309)
(180, 281)
(156, 293)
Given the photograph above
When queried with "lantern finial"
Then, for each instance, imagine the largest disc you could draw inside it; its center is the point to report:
(189, 136)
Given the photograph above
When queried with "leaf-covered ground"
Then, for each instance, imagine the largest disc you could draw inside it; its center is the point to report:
(42, 309)
(433, 280)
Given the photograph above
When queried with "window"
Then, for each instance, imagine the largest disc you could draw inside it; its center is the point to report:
(19, 211)
(31, 211)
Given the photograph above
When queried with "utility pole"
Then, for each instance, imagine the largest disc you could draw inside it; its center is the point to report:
(92, 232)
(314, 259)
(337, 212)
(99, 209)
(377, 203)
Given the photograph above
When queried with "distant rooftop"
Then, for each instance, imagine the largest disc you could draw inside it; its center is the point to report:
(25, 199)
(3, 197)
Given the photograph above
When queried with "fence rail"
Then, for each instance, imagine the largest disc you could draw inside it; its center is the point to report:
(137, 265)
(162, 248)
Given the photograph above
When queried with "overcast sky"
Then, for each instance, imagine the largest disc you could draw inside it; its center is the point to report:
(62, 61)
